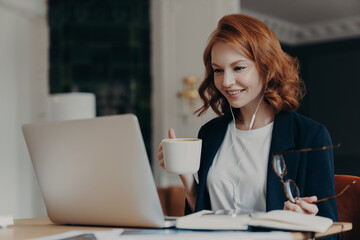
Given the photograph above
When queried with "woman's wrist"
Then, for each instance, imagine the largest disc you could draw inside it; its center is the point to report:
(189, 184)
(189, 189)
(191, 195)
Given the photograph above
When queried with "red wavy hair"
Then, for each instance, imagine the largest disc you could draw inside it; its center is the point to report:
(284, 88)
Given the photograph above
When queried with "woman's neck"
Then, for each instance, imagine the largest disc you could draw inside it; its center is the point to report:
(263, 117)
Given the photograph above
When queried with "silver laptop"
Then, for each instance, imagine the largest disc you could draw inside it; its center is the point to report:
(95, 172)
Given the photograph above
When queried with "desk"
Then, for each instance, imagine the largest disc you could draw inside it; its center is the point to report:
(38, 227)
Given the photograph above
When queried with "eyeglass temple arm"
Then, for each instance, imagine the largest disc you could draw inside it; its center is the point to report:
(308, 149)
(337, 195)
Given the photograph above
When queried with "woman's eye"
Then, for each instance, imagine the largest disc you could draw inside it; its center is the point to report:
(217, 70)
(239, 68)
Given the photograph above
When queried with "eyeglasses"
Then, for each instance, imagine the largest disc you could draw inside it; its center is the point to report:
(290, 188)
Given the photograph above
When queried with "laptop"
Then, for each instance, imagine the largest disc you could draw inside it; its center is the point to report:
(95, 172)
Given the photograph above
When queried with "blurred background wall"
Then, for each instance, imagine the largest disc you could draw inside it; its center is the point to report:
(134, 56)
(180, 30)
(24, 49)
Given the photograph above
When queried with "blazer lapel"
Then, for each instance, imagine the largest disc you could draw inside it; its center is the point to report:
(282, 139)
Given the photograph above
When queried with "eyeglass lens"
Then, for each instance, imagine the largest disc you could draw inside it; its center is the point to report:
(290, 188)
(292, 191)
(279, 165)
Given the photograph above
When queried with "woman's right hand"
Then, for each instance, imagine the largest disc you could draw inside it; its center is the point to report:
(160, 155)
(187, 179)
(303, 205)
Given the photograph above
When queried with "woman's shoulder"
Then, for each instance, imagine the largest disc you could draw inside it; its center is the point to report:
(306, 122)
(307, 128)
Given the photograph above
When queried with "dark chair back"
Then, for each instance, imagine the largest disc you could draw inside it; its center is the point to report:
(349, 204)
(172, 200)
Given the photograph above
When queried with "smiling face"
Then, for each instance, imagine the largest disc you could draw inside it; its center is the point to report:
(236, 76)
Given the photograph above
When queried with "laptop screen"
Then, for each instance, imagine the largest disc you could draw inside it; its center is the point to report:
(94, 172)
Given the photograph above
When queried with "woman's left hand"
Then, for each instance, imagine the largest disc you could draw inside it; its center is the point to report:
(303, 205)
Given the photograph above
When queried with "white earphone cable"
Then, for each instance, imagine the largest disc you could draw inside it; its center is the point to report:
(234, 138)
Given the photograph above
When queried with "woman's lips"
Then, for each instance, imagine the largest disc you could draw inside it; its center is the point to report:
(234, 92)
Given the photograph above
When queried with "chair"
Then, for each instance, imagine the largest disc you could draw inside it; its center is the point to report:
(172, 200)
(349, 204)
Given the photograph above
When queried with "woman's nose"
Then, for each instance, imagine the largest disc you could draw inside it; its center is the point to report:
(228, 79)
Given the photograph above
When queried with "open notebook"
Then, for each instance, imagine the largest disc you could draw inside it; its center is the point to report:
(95, 172)
(276, 219)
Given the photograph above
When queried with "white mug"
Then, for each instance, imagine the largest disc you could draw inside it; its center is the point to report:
(182, 155)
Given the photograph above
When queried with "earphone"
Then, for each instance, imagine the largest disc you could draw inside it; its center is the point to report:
(253, 116)
(234, 137)
(257, 108)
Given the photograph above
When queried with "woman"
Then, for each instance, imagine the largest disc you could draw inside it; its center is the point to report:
(255, 89)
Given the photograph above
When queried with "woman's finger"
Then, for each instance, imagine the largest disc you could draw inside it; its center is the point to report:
(161, 163)
(307, 207)
(171, 133)
(309, 199)
(293, 207)
(160, 155)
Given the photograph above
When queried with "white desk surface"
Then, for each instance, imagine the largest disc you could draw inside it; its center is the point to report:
(40, 227)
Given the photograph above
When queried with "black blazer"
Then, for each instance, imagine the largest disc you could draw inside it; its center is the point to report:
(313, 172)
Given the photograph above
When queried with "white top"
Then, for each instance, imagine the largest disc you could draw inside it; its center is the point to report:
(237, 177)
